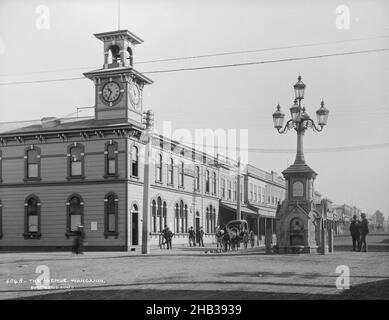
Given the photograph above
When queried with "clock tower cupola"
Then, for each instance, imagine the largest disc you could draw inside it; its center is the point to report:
(119, 87)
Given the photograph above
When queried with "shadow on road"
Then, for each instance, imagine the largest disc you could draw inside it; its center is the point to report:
(372, 290)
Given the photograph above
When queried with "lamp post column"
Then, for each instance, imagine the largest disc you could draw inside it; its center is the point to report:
(300, 152)
(146, 184)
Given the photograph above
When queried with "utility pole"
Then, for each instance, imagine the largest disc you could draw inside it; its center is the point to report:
(238, 210)
(148, 118)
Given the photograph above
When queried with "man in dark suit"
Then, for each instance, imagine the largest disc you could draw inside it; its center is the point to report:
(355, 233)
(364, 230)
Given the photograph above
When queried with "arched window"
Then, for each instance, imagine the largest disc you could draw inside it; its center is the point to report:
(197, 178)
(207, 181)
(164, 212)
(214, 183)
(159, 215)
(181, 175)
(158, 168)
(213, 220)
(75, 214)
(208, 221)
(170, 172)
(134, 161)
(185, 220)
(177, 217)
(223, 188)
(130, 57)
(32, 213)
(181, 216)
(111, 215)
(111, 159)
(32, 163)
(75, 161)
(1, 220)
(153, 216)
(114, 55)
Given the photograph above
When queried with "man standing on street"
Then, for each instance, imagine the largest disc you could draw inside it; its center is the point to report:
(191, 237)
(201, 236)
(355, 234)
(364, 230)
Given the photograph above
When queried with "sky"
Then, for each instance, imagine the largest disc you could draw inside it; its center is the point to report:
(48, 36)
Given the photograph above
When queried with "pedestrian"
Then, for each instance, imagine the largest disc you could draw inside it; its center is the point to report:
(78, 243)
(355, 232)
(364, 230)
(201, 237)
(162, 240)
(245, 238)
(251, 237)
(168, 237)
(192, 234)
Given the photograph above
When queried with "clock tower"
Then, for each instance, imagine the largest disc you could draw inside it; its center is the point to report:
(118, 86)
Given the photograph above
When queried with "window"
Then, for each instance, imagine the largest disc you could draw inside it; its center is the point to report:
(111, 215)
(181, 217)
(207, 181)
(134, 161)
(214, 183)
(159, 169)
(234, 191)
(1, 220)
(210, 219)
(32, 212)
(177, 217)
(161, 214)
(161, 143)
(111, 159)
(181, 175)
(204, 158)
(251, 191)
(193, 155)
(263, 195)
(185, 220)
(197, 178)
(259, 194)
(229, 194)
(153, 216)
(255, 193)
(170, 172)
(223, 188)
(75, 214)
(32, 163)
(75, 161)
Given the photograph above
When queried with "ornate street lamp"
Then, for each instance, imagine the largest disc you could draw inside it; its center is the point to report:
(299, 220)
(300, 120)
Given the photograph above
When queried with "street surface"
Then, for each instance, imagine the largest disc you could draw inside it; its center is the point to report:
(197, 273)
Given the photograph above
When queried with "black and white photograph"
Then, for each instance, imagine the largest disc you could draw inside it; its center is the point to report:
(192, 155)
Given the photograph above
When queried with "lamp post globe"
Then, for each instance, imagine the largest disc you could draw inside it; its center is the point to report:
(322, 115)
(278, 118)
(299, 89)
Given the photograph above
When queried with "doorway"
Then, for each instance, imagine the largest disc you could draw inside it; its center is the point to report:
(135, 226)
(197, 228)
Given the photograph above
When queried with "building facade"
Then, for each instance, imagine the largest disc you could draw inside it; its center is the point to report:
(56, 174)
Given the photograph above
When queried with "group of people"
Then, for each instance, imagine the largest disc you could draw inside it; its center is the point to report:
(359, 231)
(196, 235)
(165, 238)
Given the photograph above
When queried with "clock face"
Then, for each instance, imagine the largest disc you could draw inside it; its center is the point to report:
(134, 93)
(111, 91)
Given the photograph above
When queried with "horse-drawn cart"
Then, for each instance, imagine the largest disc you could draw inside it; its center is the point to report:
(230, 237)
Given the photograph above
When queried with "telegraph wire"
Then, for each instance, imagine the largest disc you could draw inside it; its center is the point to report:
(217, 66)
(267, 61)
(201, 56)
